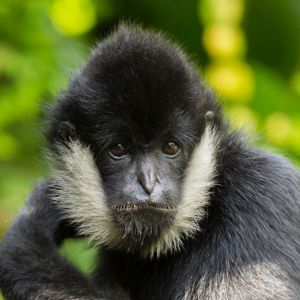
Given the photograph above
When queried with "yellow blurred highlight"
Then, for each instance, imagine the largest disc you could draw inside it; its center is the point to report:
(73, 17)
(232, 80)
(242, 117)
(278, 128)
(224, 41)
(295, 82)
(221, 11)
(294, 140)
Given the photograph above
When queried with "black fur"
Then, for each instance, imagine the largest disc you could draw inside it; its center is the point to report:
(139, 88)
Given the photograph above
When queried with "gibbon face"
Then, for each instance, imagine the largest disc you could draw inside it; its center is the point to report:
(134, 155)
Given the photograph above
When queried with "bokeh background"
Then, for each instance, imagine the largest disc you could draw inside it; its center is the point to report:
(248, 50)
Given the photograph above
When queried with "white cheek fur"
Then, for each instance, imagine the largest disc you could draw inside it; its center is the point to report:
(198, 181)
(79, 193)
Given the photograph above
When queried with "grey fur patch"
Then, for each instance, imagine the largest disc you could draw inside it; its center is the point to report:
(257, 282)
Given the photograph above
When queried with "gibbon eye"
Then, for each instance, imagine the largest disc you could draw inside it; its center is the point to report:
(118, 151)
(170, 148)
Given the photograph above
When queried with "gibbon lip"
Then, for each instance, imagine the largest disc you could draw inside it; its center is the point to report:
(134, 206)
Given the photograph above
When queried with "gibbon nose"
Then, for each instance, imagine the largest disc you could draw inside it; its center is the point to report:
(147, 177)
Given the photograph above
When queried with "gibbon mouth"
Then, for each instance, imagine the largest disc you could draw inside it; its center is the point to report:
(134, 206)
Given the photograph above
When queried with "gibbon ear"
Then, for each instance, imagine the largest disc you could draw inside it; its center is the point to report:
(209, 117)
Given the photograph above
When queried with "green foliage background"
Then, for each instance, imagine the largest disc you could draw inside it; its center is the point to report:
(248, 50)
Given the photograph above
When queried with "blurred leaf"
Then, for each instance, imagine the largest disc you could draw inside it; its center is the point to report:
(295, 82)
(8, 146)
(272, 93)
(80, 253)
(272, 28)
